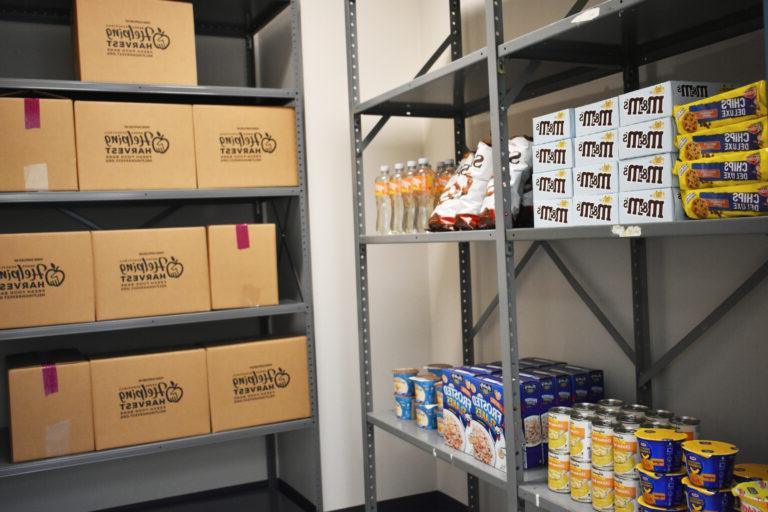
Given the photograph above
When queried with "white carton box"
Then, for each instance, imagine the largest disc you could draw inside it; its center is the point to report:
(649, 138)
(652, 171)
(596, 117)
(552, 213)
(553, 184)
(553, 156)
(595, 179)
(552, 127)
(657, 100)
(594, 210)
(596, 148)
(654, 205)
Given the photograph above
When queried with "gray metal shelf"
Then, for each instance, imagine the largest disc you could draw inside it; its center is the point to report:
(734, 226)
(46, 331)
(431, 238)
(9, 469)
(145, 195)
(535, 491)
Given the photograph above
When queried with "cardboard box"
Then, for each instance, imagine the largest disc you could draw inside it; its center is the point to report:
(46, 278)
(258, 382)
(540, 362)
(457, 407)
(649, 138)
(564, 382)
(134, 146)
(144, 272)
(141, 41)
(652, 171)
(656, 101)
(596, 117)
(50, 405)
(242, 260)
(580, 382)
(245, 146)
(485, 439)
(530, 412)
(149, 397)
(596, 148)
(552, 127)
(553, 184)
(596, 179)
(654, 205)
(553, 156)
(548, 385)
(596, 210)
(553, 213)
(38, 149)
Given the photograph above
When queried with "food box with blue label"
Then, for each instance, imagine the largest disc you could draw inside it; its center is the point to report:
(658, 100)
(553, 184)
(596, 179)
(553, 156)
(485, 435)
(739, 201)
(553, 213)
(596, 210)
(595, 148)
(647, 172)
(552, 127)
(457, 406)
(653, 205)
(530, 412)
(548, 385)
(580, 382)
(648, 138)
(540, 361)
(564, 386)
(596, 117)
(740, 104)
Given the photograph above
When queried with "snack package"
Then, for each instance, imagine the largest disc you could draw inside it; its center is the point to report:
(745, 136)
(723, 170)
(739, 201)
(487, 218)
(520, 164)
(734, 106)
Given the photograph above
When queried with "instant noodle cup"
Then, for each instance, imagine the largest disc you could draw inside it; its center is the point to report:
(424, 388)
(439, 393)
(625, 494)
(709, 463)
(401, 378)
(436, 369)
(559, 472)
(426, 416)
(660, 449)
(645, 507)
(581, 481)
(750, 472)
(707, 500)
(753, 496)
(602, 489)
(625, 453)
(404, 407)
(661, 489)
(440, 421)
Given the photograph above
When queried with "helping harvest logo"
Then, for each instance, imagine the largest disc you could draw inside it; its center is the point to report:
(149, 396)
(149, 270)
(134, 144)
(29, 278)
(245, 145)
(259, 382)
(135, 40)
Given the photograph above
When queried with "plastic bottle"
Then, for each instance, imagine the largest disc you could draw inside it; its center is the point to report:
(409, 197)
(396, 196)
(443, 176)
(383, 202)
(425, 199)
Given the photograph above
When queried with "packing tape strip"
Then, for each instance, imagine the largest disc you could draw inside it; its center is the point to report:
(57, 438)
(31, 113)
(241, 233)
(50, 379)
(36, 177)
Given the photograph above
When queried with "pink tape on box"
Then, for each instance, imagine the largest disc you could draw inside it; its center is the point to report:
(50, 379)
(31, 113)
(241, 232)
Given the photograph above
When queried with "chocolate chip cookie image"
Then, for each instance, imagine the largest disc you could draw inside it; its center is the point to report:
(699, 208)
(689, 122)
(692, 180)
(692, 151)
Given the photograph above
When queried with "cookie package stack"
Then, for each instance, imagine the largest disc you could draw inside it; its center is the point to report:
(612, 161)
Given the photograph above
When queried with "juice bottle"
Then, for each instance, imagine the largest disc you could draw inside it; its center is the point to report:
(425, 195)
(383, 201)
(396, 196)
(409, 184)
(443, 176)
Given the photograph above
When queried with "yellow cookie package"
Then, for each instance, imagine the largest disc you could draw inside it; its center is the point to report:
(716, 203)
(740, 104)
(724, 169)
(744, 136)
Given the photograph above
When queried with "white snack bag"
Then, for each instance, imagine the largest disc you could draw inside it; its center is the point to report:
(487, 218)
(520, 163)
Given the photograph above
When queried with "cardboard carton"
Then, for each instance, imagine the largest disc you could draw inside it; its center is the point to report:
(656, 101)
(530, 412)
(144, 272)
(652, 171)
(141, 41)
(553, 156)
(245, 146)
(50, 405)
(485, 437)
(554, 126)
(243, 264)
(134, 146)
(647, 138)
(38, 148)
(149, 397)
(654, 205)
(46, 278)
(548, 213)
(596, 148)
(553, 184)
(596, 179)
(595, 210)
(596, 117)
(258, 383)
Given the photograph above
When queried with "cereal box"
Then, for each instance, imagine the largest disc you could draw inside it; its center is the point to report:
(553, 184)
(596, 385)
(548, 384)
(457, 406)
(553, 156)
(657, 101)
(596, 179)
(540, 361)
(580, 382)
(595, 210)
(725, 169)
(655, 205)
(736, 105)
(648, 138)
(530, 412)
(564, 386)
(652, 171)
(595, 148)
(596, 117)
(552, 127)
(745, 136)
(739, 201)
(485, 435)
(552, 213)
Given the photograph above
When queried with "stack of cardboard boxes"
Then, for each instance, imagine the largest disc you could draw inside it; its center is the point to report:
(611, 162)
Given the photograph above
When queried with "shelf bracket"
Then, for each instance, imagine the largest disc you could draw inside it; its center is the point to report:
(167, 212)
(79, 218)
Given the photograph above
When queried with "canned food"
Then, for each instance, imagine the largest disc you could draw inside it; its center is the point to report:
(581, 481)
(655, 423)
(559, 472)
(661, 489)
(558, 426)
(711, 500)
(424, 388)
(629, 421)
(661, 414)
(625, 453)
(660, 449)
(709, 463)
(602, 489)
(604, 413)
(404, 407)
(688, 425)
(581, 437)
(636, 410)
(587, 408)
(611, 404)
(624, 493)
(602, 444)
(401, 378)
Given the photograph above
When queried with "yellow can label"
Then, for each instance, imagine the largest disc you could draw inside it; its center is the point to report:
(558, 432)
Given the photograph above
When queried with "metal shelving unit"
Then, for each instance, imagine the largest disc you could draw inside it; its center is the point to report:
(615, 36)
(238, 21)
